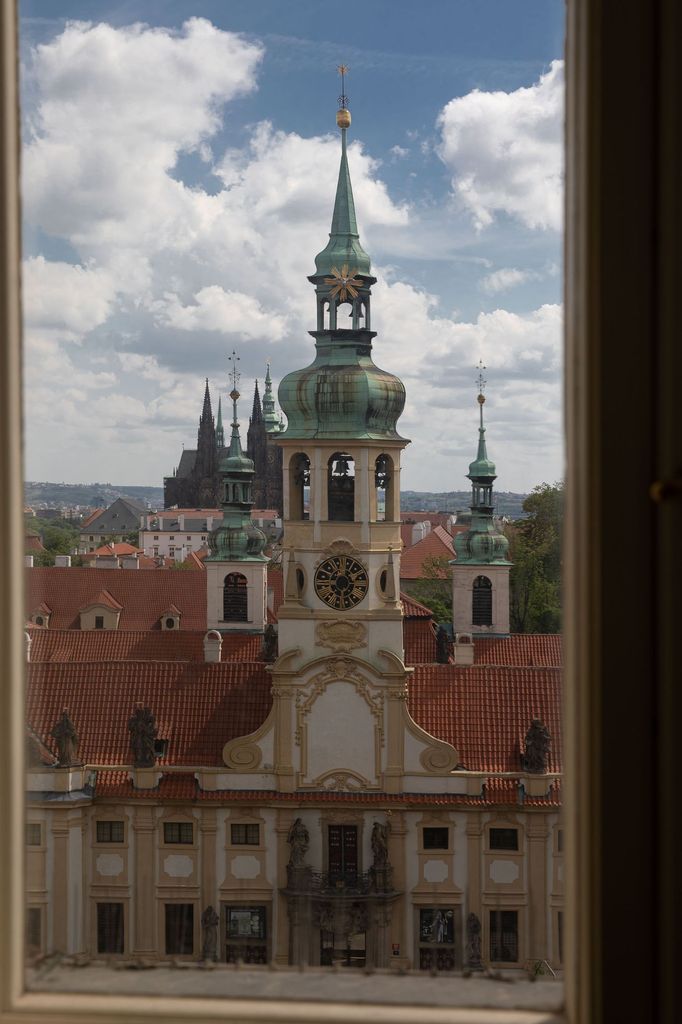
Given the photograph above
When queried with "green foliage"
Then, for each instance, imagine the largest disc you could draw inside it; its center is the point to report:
(436, 594)
(58, 536)
(132, 538)
(535, 550)
(42, 559)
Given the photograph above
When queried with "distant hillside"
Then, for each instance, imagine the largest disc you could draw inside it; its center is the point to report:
(50, 495)
(507, 503)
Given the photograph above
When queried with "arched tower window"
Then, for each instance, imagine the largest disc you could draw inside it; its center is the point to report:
(482, 602)
(299, 480)
(341, 487)
(384, 483)
(235, 598)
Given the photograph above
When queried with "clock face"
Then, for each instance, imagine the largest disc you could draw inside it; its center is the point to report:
(341, 581)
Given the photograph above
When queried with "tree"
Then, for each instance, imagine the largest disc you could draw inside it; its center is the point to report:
(434, 589)
(535, 550)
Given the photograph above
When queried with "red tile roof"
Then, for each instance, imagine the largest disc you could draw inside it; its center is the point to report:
(114, 785)
(531, 649)
(144, 596)
(101, 645)
(103, 598)
(437, 544)
(33, 542)
(419, 639)
(197, 707)
(413, 609)
(485, 712)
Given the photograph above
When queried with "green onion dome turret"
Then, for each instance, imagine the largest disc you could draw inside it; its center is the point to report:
(236, 538)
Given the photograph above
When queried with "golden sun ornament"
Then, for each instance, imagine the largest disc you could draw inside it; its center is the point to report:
(344, 283)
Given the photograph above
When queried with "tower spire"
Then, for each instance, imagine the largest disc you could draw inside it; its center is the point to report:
(269, 414)
(219, 432)
(344, 248)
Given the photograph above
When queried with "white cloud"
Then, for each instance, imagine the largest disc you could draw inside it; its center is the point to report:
(398, 152)
(228, 312)
(505, 278)
(64, 298)
(505, 151)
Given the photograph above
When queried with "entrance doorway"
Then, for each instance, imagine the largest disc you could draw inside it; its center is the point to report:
(344, 950)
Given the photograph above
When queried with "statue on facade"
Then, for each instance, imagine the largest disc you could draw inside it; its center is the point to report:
(270, 644)
(474, 943)
(65, 736)
(299, 841)
(380, 845)
(536, 754)
(442, 646)
(209, 934)
(143, 733)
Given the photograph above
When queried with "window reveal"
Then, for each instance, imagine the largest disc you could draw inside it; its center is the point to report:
(504, 936)
(178, 832)
(436, 939)
(110, 928)
(180, 928)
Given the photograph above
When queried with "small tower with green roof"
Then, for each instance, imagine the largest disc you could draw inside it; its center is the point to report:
(236, 569)
(480, 571)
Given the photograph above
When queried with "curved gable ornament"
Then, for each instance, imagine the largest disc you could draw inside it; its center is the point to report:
(342, 780)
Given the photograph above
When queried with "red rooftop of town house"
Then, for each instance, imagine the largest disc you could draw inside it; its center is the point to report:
(436, 544)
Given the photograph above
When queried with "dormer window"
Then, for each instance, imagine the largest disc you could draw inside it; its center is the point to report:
(170, 619)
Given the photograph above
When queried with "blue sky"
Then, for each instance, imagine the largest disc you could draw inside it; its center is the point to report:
(180, 162)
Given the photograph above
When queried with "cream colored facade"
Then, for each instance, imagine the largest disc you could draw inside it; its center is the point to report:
(71, 870)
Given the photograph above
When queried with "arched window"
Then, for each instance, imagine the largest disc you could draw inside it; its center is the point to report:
(235, 598)
(482, 602)
(299, 480)
(385, 494)
(341, 488)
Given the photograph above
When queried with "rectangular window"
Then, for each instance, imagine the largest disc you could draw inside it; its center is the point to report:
(180, 928)
(189, 536)
(436, 838)
(504, 936)
(34, 834)
(99, 622)
(560, 840)
(178, 832)
(504, 839)
(245, 935)
(560, 934)
(91, 538)
(343, 852)
(109, 927)
(109, 831)
(156, 538)
(436, 939)
(172, 537)
(245, 835)
(34, 928)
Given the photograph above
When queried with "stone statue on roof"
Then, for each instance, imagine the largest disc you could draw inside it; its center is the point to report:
(538, 741)
(442, 646)
(270, 644)
(143, 733)
(379, 845)
(66, 738)
(209, 934)
(299, 841)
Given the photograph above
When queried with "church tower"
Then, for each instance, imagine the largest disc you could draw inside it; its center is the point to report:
(236, 569)
(480, 572)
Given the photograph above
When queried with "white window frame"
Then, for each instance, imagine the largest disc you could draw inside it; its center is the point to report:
(624, 93)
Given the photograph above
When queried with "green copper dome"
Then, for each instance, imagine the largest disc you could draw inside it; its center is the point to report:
(342, 393)
(236, 539)
(483, 543)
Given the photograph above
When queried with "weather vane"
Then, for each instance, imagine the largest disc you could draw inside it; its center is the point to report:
(235, 375)
(480, 380)
(343, 70)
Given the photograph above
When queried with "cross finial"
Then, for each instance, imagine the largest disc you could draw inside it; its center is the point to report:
(235, 375)
(343, 70)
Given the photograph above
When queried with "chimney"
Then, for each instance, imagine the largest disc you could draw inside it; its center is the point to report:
(29, 641)
(463, 649)
(28, 561)
(209, 524)
(106, 562)
(181, 523)
(63, 560)
(130, 562)
(213, 643)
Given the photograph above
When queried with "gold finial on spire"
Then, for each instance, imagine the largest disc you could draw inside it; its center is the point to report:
(343, 113)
